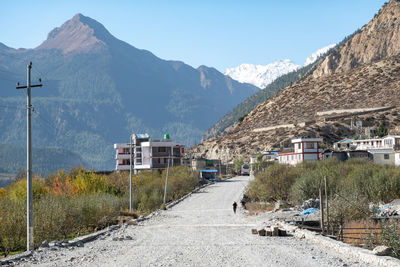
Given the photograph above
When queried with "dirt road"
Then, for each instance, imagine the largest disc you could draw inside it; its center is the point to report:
(200, 231)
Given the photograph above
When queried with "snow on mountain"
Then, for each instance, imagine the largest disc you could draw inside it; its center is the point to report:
(260, 75)
(317, 54)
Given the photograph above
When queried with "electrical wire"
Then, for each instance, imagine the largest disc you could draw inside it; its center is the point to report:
(49, 124)
(10, 72)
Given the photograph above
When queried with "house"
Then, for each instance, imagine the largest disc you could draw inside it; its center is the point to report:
(385, 150)
(208, 164)
(148, 154)
(302, 149)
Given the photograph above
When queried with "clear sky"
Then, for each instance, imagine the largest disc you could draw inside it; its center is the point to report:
(216, 33)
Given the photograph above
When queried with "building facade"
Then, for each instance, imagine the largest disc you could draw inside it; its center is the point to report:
(385, 150)
(148, 154)
(302, 149)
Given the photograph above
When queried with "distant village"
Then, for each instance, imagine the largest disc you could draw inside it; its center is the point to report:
(148, 154)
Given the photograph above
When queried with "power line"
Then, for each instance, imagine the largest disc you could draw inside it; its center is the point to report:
(6, 79)
(22, 59)
(10, 72)
(50, 124)
(12, 107)
(14, 57)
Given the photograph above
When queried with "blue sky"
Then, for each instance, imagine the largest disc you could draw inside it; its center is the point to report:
(219, 34)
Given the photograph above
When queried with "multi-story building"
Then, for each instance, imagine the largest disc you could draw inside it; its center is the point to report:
(302, 149)
(385, 150)
(148, 154)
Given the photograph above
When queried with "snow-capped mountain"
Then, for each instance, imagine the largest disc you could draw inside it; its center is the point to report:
(317, 54)
(260, 75)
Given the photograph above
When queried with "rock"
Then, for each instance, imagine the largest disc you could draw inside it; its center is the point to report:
(79, 244)
(128, 237)
(282, 232)
(382, 251)
(275, 230)
(310, 203)
(280, 204)
(44, 244)
(254, 231)
(262, 232)
(131, 222)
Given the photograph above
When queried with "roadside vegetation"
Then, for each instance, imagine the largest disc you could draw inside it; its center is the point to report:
(355, 189)
(67, 205)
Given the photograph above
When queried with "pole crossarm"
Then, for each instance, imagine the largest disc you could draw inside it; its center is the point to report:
(24, 87)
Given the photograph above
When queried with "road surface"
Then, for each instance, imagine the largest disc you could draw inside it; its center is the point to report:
(200, 231)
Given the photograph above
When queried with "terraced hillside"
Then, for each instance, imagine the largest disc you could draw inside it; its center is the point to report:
(296, 111)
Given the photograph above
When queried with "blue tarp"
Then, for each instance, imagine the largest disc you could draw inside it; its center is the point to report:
(308, 211)
(213, 171)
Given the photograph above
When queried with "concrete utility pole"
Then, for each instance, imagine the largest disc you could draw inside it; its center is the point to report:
(29, 195)
(166, 183)
(130, 175)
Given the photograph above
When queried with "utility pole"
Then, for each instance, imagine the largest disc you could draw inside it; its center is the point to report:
(29, 195)
(327, 205)
(130, 174)
(166, 183)
(321, 209)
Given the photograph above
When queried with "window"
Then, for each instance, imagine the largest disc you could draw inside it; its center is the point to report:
(309, 145)
(386, 156)
(162, 149)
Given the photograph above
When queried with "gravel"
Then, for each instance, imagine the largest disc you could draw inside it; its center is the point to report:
(199, 231)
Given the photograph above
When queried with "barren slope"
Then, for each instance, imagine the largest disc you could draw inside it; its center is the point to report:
(294, 111)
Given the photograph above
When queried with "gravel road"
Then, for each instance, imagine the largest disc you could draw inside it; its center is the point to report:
(202, 230)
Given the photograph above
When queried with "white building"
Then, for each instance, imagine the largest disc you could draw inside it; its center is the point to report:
(384, 150)
(148, 154)
(303, 149)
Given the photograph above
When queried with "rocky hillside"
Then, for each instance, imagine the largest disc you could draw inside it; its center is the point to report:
(378, 39)
(361, 72)
(312, 108)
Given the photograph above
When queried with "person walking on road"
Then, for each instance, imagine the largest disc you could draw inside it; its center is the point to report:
(234, 205)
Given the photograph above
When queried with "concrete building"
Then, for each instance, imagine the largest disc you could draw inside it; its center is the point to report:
(385, 150)
(302, 149)
(148, 154)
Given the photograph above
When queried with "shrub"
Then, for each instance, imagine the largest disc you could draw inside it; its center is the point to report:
(273, 184)
(70, 204)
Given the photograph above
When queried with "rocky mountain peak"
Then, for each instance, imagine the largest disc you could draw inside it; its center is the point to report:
(79, 34)
(378, 39)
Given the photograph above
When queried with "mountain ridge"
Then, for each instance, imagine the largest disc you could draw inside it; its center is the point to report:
(296, 109)
(93, 98)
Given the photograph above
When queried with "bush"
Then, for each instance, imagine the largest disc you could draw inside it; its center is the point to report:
(352, 185)
(273, 184)
(391, 237)
(70, 204)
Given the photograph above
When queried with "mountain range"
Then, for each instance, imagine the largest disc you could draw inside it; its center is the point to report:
(263, 75)
(357, 80)
(98, 89)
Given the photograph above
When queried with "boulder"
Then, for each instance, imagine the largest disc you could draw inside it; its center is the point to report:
(275, 231)
(382, 251)
(254, 231)
(262, 232)
(280, 204)
(282, 232)
(44, 244)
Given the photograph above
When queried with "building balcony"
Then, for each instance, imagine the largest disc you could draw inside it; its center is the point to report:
(122, 156)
